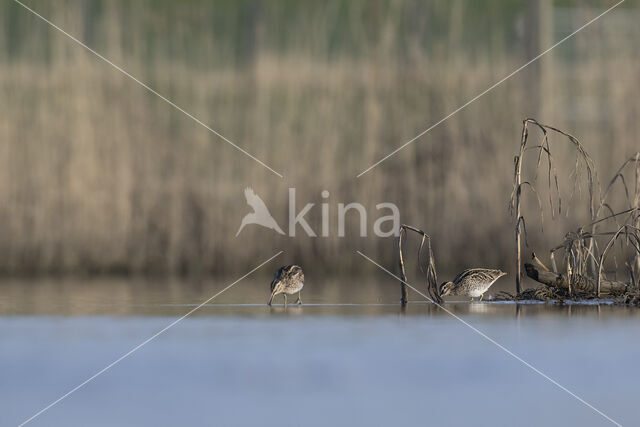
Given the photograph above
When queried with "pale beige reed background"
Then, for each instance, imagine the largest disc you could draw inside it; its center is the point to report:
(98, 175)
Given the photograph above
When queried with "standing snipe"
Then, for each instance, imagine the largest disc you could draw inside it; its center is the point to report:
(472, 282)
(287, 280)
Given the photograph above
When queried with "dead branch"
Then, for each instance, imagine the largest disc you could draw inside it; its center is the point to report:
(584, 286)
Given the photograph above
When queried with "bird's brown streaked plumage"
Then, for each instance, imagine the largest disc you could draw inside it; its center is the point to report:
(473, 282)
(287, 280)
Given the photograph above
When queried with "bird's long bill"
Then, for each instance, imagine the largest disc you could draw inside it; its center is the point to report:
(271, 299)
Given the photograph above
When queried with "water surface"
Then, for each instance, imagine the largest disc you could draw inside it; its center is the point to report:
(350, 356)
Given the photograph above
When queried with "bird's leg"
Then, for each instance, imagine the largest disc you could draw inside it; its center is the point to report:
(299, 298)
(285, 299)
(481, 295)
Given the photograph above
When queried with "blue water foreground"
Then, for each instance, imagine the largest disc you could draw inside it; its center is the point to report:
(320, 365)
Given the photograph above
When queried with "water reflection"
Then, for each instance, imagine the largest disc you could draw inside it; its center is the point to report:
(343, 349)
(122, 297)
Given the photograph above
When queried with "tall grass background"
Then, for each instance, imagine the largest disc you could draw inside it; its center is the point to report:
(97, 175)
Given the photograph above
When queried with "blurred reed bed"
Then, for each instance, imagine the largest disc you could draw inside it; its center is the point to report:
(97, 175)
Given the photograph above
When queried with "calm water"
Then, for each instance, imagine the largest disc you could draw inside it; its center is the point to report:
(349, 356)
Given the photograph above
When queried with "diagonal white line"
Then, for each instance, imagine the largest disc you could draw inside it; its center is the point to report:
(168, 101)
(490, 88)
(136, 348)
(497, 344)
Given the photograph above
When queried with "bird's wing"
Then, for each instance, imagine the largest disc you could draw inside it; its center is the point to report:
(278, 276)
(462, 275)
(255, 202)
(482, 274)
(274, 280)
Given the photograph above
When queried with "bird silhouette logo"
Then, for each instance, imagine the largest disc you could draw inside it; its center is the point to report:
(260, 214)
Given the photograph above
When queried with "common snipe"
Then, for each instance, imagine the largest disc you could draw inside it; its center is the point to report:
(287, 280)
(473, 282)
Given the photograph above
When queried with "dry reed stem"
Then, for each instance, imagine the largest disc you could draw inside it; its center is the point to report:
(544, 148)
(629, 228)
(430, 273)
(634, 203)
(403, 274)
(632, 234)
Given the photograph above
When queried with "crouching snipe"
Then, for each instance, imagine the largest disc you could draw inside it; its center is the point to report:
(473, 282)
(287, 280)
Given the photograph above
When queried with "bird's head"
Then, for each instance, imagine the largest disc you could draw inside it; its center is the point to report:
(446, 289)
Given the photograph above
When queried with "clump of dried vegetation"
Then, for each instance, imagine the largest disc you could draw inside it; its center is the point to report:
(593, 250)
(588, 256)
